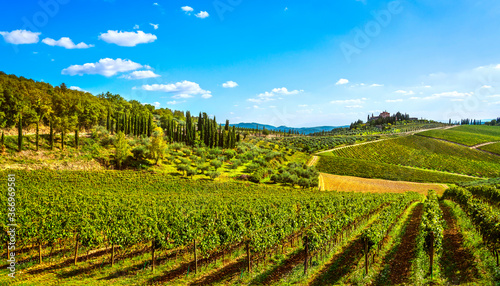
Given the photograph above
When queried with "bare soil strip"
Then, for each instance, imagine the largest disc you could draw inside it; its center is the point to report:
(356, 184)
(457, 261)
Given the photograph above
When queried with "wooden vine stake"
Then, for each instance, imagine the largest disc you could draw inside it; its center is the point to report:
(366, 257)
(76, 249)
(153, 255)
(431, 254)
(195, 259)
(40, 252)
(112, 254)
(249, 258)
(306, 242)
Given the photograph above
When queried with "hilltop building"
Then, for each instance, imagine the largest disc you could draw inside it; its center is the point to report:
(384, 114)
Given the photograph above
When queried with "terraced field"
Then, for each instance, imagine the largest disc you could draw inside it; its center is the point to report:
(468, 135)
(420, 152)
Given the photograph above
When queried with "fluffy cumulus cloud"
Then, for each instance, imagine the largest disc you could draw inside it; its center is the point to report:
(19, 37)
(342, 81)
(184, 89)
(66, 42)
(229, 84)
(155, 26)
(140, 75)
(127, 39)
(202, 14)
(106, 67)
(273, 95)
(187, 9)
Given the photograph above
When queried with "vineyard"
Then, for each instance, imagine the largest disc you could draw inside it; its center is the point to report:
(143, 228)
(312, 144)
(422, 152)
(469, 135)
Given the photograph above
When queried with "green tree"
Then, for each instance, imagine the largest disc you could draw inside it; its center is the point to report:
(157, 147)
(122, 149)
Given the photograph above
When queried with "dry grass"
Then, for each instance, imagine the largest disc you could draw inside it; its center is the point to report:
(355, 184)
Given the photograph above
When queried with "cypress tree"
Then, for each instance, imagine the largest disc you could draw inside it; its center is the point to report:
(36, 136)
(108, 121)
(51, 135)
(62, 139)
(20, 134)
(76, 137)
(2, 141)
(117, 123)
(150, 125)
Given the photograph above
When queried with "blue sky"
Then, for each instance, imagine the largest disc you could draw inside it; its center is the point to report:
(295, 63)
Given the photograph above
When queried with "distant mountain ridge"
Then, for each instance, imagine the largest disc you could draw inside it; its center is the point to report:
(306, 130)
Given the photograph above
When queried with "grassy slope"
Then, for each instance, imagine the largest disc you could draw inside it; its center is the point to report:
(469, 135)
(422, 152)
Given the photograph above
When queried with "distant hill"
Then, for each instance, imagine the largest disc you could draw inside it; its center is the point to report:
(306, 130)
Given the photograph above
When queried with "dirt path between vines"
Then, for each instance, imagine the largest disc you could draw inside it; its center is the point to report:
(400, 265)
(457, 261)
(341, 264)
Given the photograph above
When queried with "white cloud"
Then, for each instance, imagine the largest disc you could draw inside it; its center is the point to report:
(284, 91)
(486, 86)
(156, 4)
(140, 75)
(229, 84)
(376, 85)
(405, 92)
(450, 94)
(173, 102)
(106, 67)
(185, 89)
(155, 26)
(342, 81)
(202, 14)
(19, 37)
(187, 9)
(136, 27)
(77, 88)
(394, 100)
(353, 106)
(350, 101)
(66, 42)
(494, 103)
(303, 105)
(494, 95)
(269, 96)
(127, 39)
